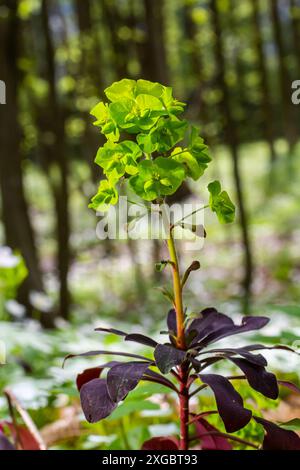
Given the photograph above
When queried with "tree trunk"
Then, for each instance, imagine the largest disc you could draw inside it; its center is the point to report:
(153, 54)
(58, 160)
(90, 69)
(289, 127)
(294, 12)
(112, 17)
(17, 226)
(266, 99)
(232, 140)
(197, 103)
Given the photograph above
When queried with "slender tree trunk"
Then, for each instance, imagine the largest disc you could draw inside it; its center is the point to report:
(17, 226)
(114, 21)
(58, 160)
(90, 69)
(232, 139)
(153, 55)
(264, 85)
(284, 78)
(295, 31)
(197, 101)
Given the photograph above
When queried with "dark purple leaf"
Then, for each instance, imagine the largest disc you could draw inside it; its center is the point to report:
(142, 339)
(161, 443)
(256, 347)
(92, 373)
(210, 442)
(209, 322)
(95, 400)
(171, 322)
(277, 438)
(261, 380)
(248, 324)
(108, 353)
(123, 378)
(112, 331)
(199, 366)
(167, 356)
(244, 352)
(87, 375)
(152, 376)
(289, 385)
(5, 444)
(229, 402)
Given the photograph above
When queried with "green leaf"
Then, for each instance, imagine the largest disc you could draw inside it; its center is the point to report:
(195, 157)
(122, 89)
(172, 105)
(118, 159)
(120, 110)
(149, 88)
(107, 195)
(104, 120)
(157, 178)
(159, 267)
(166, 133)
(13, 271)
(101, 113)
(292, 425)
(220, 203)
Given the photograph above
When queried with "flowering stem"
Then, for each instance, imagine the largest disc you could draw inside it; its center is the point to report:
(177, 292)
(180, 338)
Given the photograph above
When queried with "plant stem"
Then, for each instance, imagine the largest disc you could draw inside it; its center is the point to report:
(183, 369)
(180, 339)
(184, 408)
(177, 292)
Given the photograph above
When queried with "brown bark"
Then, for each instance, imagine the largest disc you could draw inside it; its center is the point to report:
(152, 52)
(295, 32)
(90, 69)
(264, 85)
(285, 81)
(17, 225)
(57, 159)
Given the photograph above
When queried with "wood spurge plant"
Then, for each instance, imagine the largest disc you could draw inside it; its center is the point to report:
(152, 150)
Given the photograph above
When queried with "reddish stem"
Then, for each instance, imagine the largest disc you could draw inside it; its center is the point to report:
(184, 407)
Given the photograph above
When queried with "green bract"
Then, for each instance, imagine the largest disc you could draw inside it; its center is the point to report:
(106, 195)
(166, 134)
(157, 178)
(160, 150)
(220, 203)
(118, 159)
(195, 157)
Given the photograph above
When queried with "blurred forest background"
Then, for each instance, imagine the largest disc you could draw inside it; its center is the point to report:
(233, 62)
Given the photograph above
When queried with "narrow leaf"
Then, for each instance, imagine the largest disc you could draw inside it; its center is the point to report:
(152, 376)
(289, 385)
(109, 353)
(229, 402)
(210, 442)
(111, 330)
(142, 339)
(261, 380)
(277, 438)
